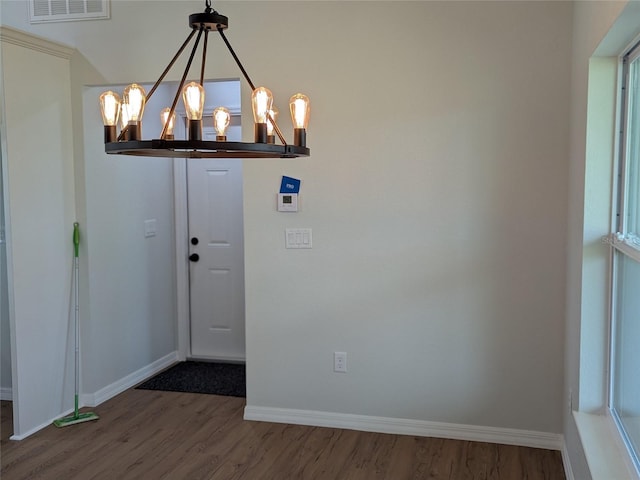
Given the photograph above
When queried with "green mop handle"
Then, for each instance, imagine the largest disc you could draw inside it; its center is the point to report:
(76, 244)
(76, 238)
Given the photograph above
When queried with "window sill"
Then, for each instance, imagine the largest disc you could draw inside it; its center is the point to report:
(606, 455)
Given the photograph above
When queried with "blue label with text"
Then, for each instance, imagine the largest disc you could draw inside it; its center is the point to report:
(289, 185)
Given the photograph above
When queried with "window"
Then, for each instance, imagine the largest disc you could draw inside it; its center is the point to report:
(625, 334)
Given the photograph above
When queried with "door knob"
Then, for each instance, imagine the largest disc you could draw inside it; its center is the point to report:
(194, 257)
(195, 241)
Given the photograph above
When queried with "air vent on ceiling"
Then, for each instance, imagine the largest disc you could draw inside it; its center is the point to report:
(67, 10)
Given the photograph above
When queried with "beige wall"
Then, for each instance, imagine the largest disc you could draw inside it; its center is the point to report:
(38, 163)
(439, 227)
(436, 190)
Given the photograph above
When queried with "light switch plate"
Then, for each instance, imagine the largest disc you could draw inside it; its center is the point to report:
(298, 238)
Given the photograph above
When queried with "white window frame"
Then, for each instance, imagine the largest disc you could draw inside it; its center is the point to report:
(622, 241)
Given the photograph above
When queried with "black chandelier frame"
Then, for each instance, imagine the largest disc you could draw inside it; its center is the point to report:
(202, 24)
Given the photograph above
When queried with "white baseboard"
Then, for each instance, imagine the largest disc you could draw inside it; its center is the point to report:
(24, 435)
(401, 426)
(110, 391)
(6, 394)
(566, 462)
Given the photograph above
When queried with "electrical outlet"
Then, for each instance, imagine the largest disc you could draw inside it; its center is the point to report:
(340, 362)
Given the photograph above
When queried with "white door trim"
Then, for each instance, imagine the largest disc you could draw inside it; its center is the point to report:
(181, 221)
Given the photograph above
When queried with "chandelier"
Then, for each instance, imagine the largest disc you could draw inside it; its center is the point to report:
(130, 107)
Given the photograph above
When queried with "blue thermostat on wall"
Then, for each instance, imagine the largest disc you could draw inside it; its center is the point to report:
(287, 202)
(289, 185)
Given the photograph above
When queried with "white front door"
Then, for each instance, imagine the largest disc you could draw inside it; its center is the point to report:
(217, 259)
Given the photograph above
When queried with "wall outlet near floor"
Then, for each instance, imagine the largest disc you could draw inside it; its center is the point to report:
(340, 362)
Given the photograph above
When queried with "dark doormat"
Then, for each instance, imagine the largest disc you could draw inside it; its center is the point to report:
(200, 377)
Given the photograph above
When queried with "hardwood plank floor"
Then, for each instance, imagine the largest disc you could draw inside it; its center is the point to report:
(145, 434)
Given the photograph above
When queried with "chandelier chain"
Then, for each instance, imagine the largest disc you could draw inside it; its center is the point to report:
(182, 81)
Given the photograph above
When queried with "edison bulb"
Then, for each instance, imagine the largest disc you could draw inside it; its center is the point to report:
(110, 108)
(300, 107)
(124, 114)
(221, 121)
(168, 122)
(193, 98)
(261, 101)
(273, 113)
(135, 97)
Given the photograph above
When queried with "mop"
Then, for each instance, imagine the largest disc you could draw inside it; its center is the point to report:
(77, 417)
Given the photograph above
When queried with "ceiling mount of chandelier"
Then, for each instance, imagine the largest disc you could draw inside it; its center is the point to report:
(130, 108)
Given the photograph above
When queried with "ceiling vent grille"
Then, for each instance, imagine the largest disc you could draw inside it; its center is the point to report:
(41, 11)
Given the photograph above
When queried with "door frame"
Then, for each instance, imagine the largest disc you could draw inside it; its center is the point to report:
(181, 222)
(181, 233)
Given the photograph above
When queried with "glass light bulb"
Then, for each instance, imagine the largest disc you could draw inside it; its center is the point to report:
(221, 120)
(124, 114)
(110, 108)
(193, 98)
(169, 122)
(300, 106)
(274, 115)
(261, 101)
(135, 96)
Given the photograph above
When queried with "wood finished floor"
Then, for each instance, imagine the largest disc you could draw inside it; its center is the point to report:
(145, 434)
